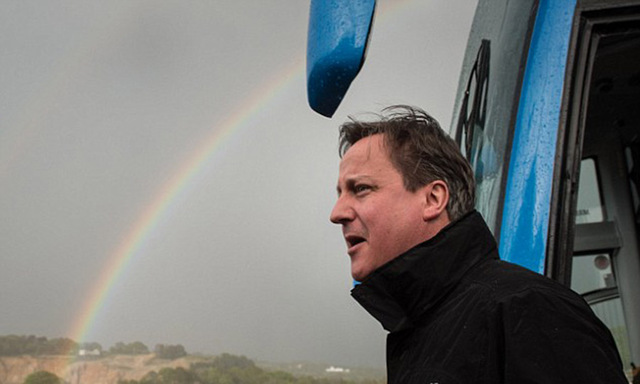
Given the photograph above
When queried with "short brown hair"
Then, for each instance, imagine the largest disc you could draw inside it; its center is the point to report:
(420, 150)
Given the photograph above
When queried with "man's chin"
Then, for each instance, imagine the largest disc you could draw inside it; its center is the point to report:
(359, 275)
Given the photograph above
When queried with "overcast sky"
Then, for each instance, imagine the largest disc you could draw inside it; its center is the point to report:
(103, 103)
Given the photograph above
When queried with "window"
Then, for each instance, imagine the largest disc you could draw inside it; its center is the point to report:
(592, 273)
(611, 314)
(590, 208)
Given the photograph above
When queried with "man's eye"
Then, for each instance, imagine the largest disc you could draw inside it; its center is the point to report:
(361, 188)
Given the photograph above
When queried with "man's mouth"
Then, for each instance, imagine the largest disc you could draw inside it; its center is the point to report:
(352, 242)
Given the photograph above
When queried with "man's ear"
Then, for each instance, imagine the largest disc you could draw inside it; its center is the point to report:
(436, 195)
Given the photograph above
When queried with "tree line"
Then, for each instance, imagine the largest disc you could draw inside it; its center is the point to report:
(14, 345)
(223, 369)
(17, 345)
(231, 369)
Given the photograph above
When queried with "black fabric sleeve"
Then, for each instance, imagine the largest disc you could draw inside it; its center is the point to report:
(552, 337)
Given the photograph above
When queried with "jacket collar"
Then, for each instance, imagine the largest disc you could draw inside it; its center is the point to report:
(406, 288)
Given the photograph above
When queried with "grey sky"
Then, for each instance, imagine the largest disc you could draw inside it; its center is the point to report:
(103, 102)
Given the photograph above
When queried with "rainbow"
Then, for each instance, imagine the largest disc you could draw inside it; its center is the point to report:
(151, 216)
(140, 231)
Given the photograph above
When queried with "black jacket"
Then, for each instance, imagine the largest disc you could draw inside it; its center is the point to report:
(457, 314)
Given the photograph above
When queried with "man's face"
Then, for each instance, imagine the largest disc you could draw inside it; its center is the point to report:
(380, 219)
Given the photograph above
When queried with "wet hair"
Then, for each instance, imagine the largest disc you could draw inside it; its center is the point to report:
(420, 150)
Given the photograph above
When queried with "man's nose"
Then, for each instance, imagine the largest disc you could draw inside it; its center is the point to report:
(341, 212)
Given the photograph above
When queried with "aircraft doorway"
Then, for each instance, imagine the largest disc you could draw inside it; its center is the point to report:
(605, 267)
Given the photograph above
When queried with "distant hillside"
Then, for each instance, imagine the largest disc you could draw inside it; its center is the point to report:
(111, 369)
(325, 371)
(133, 363)
(106, 370)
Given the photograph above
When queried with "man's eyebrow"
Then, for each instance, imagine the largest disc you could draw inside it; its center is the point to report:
(352, 181)
(357, 178)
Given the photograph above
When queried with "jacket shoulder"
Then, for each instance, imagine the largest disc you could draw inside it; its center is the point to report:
(549, 331)
(507, 281)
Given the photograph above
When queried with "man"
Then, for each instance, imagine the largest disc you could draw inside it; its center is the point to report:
(430, 272)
